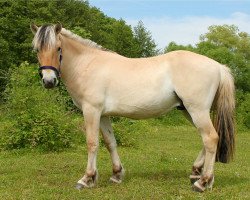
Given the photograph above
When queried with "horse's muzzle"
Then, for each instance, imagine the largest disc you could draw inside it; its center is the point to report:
(51, 83)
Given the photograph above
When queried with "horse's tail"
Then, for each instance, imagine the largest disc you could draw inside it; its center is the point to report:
(224, 116)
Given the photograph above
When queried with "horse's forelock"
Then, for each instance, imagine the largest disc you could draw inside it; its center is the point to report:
(45, 37)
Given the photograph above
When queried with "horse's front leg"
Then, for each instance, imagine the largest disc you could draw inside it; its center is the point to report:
(92, 122)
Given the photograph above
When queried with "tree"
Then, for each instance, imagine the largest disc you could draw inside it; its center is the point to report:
(172, 46)
(227, 45)
(122, 40)
(145, 45)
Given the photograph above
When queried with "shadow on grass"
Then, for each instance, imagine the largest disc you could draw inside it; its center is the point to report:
(175, 175)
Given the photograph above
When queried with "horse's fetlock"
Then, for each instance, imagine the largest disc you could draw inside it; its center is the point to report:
(206, 179)
(90, 173)
(196, 170)
(117, 169)
(118, 174)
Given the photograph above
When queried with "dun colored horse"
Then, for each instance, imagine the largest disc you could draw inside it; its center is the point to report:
(103, 83)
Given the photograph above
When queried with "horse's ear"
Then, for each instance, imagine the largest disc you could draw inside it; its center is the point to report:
(33, 28)
(58, 27)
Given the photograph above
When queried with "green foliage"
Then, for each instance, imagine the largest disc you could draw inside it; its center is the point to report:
(243, 111)
(144, 43)
(122, 41)
(32, 116)
(81, 32)
(125, 130)
(172, 46)
(173, 118)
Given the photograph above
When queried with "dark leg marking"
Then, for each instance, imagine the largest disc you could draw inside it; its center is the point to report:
(88, 181)
(196, 174)
(203, 182)
(117, 175)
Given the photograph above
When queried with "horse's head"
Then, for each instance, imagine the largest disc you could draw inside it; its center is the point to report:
(47, 44)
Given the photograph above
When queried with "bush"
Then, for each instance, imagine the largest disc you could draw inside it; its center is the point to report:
(243, 110)
(125, 130)
(33, 117)
(173, 118)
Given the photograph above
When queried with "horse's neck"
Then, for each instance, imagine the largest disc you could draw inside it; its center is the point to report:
(76, 57)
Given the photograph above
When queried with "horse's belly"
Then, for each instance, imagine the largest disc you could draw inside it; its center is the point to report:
(142, 106)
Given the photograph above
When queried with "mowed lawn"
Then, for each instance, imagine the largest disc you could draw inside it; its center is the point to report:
(157, 167)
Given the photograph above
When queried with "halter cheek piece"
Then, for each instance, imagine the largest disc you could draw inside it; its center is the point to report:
(57, 71)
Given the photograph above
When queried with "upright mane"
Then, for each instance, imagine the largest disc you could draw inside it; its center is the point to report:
(45, 38)
(86, 42)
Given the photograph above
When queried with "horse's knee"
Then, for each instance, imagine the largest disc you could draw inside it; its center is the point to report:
(92, 146)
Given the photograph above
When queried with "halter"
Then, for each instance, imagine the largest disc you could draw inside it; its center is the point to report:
(57, 71)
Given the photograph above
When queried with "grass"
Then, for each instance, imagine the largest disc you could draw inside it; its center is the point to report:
(157, 167)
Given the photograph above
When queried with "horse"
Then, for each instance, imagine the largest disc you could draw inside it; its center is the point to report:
(103, 83)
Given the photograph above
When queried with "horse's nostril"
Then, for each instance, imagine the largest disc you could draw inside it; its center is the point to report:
(49, 83)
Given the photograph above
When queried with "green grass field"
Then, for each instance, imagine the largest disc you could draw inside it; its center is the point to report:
(157, 167)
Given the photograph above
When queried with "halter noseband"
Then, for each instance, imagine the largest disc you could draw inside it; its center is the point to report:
(57, 71)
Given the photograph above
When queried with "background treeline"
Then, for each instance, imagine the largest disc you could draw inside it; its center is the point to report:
(34, 117)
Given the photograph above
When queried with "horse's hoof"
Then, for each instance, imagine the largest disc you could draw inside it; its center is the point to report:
(197, 187)
(79, 186)
(113, 179)
(82, 184)
(194, 178)
(117, 176)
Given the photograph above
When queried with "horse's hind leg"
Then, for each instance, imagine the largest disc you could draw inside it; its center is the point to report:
(202, 121)
(110, 142)
(199, 162)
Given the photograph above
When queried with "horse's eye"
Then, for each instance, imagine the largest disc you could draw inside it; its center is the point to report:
(59, 49)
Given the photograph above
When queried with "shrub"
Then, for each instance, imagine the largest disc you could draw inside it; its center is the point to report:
(243, 110)
(125, 130)
(173, 118)
(33, 116)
